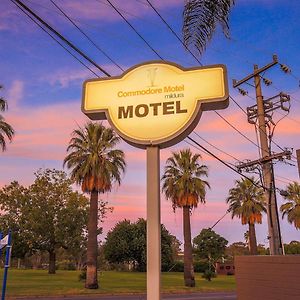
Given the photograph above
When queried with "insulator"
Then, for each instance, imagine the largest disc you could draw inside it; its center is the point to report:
(242, 92)
(285, 68)
(284, 97)
(267, 81)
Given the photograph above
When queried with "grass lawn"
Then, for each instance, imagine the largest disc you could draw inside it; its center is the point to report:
(38, 283)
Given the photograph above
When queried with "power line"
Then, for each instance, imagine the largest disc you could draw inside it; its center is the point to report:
(26, 8)
(52, 37)
(133, 28)
(257, 128)
(237, 130)
(203, 139)
(174, 33)
(226, 164)
(87, 36)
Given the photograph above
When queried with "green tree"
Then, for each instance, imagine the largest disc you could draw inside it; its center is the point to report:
(209, 245)
(200, 20)
(237, 248)
(292, 248)
(118, 247)
(57, 216)
(247, 202)
(291, 208)
(126, 243)
(6, 131)
(96, 165)
(14, 202)
(182, 184)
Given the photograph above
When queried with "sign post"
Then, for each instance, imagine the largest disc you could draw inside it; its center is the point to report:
(153, 224)
(6, 242)
(151, 106)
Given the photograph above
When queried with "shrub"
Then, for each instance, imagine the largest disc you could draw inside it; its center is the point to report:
(209, 274)
(82, 275)
(200, 266)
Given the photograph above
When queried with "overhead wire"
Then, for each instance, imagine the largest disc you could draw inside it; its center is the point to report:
(217, 148)
(87, 36)
(133, 28)
(174, 33)
(71, 45)
(57, 41)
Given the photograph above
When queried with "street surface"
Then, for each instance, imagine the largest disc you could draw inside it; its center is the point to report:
(193, 296)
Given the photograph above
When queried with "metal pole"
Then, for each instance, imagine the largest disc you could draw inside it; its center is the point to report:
(1, 236)
(7, 259)
(153, 225)
(273, 224)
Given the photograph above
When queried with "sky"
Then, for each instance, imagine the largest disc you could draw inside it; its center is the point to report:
(43, 87)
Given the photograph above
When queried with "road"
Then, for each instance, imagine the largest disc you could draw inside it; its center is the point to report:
(192, 296)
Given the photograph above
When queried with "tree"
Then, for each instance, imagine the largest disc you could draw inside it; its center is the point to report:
(14, 202)
(291, 208)
(292, 248)
(118, 247)
(95, 165)
(46, 216)
(182, 184)
(247, 202)
(6, 131)
(209, 245)
(57, 216)
(126, 243)
(236, 249)
(200, 20)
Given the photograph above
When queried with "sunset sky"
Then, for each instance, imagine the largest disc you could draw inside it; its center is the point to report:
(43, 87)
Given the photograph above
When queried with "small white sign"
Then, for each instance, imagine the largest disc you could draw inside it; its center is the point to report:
(4, 242)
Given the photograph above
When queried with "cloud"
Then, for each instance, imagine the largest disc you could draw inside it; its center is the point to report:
(15, 94)
(102, 10)
(43, 132)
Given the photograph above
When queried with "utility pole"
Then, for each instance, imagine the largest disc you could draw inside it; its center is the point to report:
(258, 112)
(298, 160)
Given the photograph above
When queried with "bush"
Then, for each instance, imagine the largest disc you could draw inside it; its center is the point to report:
(66, 265)
(201, 266)
(82, 275)
(177, 267)
(209, 274)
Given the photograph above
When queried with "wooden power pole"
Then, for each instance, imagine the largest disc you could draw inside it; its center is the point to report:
(259, 113)
(298, 160)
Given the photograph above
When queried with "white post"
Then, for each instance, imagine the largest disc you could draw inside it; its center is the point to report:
(153, 224)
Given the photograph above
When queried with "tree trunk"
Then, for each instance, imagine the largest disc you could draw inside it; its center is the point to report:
(189, 278)
(52, 261)
(252, 240)
(91, 271)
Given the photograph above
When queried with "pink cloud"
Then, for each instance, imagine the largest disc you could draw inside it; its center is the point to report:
(102, 10)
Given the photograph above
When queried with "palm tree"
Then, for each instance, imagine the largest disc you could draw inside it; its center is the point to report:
(292, 207)
(182, 184)
(200, 20)
(247, 202)
(96, 165)
(5, 129)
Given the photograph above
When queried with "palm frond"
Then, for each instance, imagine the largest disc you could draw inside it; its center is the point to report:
(200, 19)
(93, 161)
